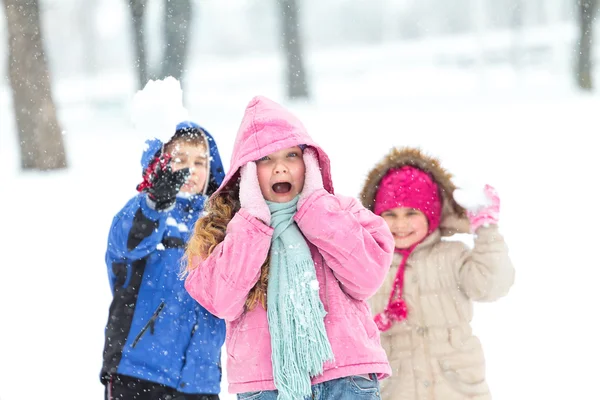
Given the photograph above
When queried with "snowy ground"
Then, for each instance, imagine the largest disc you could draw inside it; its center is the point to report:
(528, 134)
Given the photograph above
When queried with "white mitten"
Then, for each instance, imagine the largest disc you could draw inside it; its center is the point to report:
(313, 180)
(251, 197)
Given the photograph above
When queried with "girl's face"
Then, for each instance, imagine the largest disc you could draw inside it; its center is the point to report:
(193, 156)
(281, 174)
(408, 226)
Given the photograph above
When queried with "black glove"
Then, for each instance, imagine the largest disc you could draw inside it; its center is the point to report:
(165, 184)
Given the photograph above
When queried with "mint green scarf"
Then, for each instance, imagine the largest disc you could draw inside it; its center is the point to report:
(299, 343)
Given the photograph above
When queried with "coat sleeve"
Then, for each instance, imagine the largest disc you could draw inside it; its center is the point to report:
(486, 273)
(356, 244)
(135, 232)
(221, 282)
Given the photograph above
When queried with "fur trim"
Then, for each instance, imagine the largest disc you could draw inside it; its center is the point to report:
(454, 219)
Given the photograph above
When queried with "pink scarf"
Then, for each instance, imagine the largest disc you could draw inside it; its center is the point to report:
(396, 309)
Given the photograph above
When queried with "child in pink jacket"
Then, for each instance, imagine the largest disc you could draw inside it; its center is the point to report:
(289, 266)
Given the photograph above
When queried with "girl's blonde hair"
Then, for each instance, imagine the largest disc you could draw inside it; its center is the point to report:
(210, 230)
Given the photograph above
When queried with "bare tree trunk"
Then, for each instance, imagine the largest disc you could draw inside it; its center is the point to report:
(516, 24)
(587, 12)
(177, 23)
(292, 45)
(86, 12)
(138, 9)
(40, 135)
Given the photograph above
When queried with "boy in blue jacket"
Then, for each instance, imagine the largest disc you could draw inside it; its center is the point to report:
(159, 342)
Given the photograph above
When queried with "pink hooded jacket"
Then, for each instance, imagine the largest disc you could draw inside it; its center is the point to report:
(352, 249)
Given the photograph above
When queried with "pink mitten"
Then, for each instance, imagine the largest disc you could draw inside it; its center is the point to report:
(313, 180)
(483, 212)
(251, 197)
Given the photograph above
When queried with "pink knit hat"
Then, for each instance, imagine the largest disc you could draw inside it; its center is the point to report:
(405, 187)
(409, 187)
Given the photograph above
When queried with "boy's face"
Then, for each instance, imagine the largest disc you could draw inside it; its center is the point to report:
(408, 226)
(281, 174)
(193, 156)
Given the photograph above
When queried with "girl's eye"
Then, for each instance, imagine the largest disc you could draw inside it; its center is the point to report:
(265, 158)
(293, 154)
(200, 163)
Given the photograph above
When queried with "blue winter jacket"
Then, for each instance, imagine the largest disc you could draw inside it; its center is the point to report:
(155, 330)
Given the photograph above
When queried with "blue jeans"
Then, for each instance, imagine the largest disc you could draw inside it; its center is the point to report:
(357, 387)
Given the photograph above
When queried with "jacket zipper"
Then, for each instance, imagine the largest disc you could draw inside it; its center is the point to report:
(149, 324)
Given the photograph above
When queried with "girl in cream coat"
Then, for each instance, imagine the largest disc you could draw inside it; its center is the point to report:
(424, 307)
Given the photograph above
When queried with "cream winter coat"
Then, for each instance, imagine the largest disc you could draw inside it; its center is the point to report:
(433, 353)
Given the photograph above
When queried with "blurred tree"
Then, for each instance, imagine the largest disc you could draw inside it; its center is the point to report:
(177, 14)
(85, 25)
(517, 23)
(292, 45)
(40, 135)
(176, 30)
(586, 15)
(137, 9)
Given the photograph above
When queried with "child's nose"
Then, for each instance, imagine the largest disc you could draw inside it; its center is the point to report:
(280, 168)
(401, 222)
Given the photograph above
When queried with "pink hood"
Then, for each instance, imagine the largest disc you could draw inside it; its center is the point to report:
(351, 247)
(268, 127)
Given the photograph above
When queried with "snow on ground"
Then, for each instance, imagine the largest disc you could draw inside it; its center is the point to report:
(526, 133)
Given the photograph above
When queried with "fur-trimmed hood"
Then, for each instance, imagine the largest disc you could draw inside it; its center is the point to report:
(454, 219)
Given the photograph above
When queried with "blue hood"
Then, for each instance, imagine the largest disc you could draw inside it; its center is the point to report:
(217, 173)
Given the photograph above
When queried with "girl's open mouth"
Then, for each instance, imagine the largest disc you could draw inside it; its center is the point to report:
(282, 187)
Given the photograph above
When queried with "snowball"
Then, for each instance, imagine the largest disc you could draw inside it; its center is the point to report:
(158, 108)
(472, 198)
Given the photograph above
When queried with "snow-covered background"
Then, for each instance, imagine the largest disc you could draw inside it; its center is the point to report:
(525, 130)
